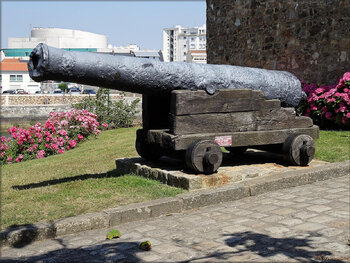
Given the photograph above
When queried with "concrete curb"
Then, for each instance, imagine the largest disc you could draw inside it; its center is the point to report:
(23, 235)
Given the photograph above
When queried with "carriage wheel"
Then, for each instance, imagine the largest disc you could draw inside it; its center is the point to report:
(204, 156)
(148, 151)
(299, 149)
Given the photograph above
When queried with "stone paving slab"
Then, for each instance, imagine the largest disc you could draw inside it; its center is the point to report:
(287, 225)
(192, 200)
(253, 164)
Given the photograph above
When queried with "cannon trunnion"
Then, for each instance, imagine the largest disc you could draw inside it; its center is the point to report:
(194, 125)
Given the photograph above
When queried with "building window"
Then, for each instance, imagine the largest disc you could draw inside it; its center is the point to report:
(16, 78)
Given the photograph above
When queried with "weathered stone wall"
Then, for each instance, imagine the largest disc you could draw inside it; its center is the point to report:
(27, 108)
(40, 99)
(310, 38)
(27, 113)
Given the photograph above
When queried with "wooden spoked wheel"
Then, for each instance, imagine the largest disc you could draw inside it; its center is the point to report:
(204, 156)
(236, 151)
(148, 151)
(299, 149)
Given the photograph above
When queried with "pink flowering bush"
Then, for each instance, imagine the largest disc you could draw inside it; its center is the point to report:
(328, 106)
(61, 132)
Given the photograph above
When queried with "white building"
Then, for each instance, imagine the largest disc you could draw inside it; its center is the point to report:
(177, 41)
(14, 76)
(60, 38)
(133, 51)
(197, 56)
(126, 50)
(150, 54)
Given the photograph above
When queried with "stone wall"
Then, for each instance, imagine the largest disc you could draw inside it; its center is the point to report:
(29, 108)
(310, 38)
(40, 99)
(29, 113)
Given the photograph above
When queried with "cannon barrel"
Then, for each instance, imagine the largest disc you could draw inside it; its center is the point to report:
(151, 77)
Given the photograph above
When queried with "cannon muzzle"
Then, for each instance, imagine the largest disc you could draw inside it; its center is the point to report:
(150, 77)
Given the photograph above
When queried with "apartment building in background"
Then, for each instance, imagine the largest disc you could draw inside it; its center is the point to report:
(179, 41)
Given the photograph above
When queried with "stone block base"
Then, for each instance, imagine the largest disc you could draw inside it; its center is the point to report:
(173, 172)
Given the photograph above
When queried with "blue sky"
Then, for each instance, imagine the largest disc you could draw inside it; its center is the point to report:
(124, 22)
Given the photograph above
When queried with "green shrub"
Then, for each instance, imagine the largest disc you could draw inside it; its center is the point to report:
(118, 114)
(63, 86)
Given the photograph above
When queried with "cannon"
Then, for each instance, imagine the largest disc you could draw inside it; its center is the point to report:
(149, 77)
(193, 110)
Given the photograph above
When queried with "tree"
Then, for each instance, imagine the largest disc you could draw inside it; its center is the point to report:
(63, 86)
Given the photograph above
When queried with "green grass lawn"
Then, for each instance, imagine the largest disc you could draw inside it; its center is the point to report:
(79, 181)
(83, 180)
(333, 146)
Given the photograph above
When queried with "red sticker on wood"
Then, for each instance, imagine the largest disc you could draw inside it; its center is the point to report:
(223, 140)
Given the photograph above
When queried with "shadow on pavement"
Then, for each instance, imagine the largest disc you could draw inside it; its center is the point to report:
(106, 252)
(266, 246)
(23, 235)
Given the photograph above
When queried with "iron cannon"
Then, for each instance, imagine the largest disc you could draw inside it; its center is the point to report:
(150, 77)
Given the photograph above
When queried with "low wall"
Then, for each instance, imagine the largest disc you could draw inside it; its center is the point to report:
(46, 99)
(13, 112)
(26, 113)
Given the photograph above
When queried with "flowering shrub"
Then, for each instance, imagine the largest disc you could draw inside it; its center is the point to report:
(328, 106)
(61, 132)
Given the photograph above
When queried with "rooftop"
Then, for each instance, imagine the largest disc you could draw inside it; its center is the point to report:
(13, 64)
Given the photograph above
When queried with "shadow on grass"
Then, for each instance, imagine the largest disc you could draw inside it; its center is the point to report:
(112, 173)
(243, 243)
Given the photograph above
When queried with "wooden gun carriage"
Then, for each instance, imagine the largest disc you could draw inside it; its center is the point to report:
(196, 125)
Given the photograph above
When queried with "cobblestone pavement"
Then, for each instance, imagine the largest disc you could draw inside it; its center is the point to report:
(303, 223)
